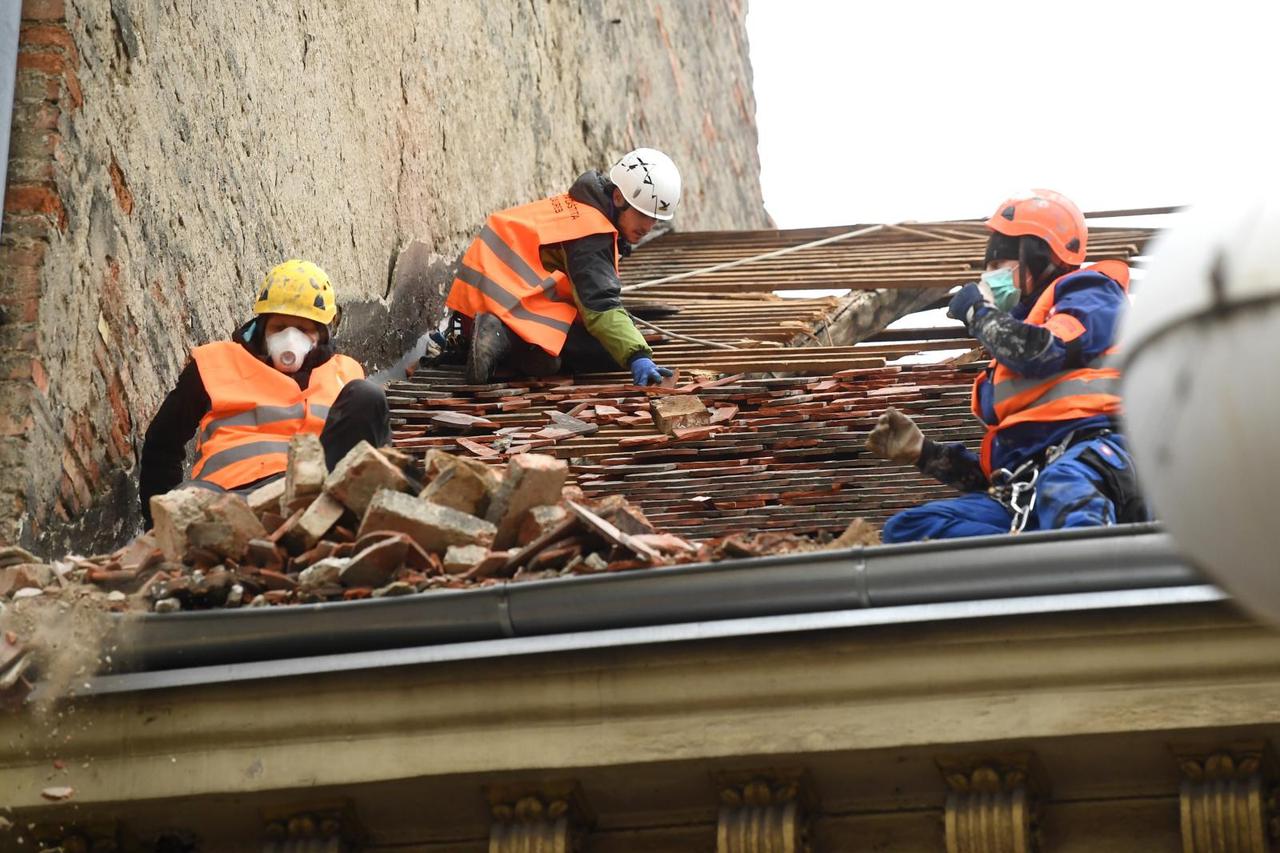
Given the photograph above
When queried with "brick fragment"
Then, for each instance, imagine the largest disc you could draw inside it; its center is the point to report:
(304, 478)
(494, 564)
(263, 552)
(375, 565)
(322, 574)
(462, 558)
(538, 520)
(394, 589)
(228, 527)
(532, 479)
(266, 498)
(623, 515)
(304, 531)
(466, 488)
(172, 513)
(678, 411)
(360, 475)
(432, 526)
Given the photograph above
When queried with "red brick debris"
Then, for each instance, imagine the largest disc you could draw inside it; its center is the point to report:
(709, 459)
(527, 480)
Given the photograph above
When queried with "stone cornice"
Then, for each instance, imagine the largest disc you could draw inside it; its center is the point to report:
(1067, 675)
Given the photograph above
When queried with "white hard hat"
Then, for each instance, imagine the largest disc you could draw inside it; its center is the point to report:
(649, 181)
(1201, 399)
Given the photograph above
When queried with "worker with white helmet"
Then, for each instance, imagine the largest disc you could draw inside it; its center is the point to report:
(538, 290)
(246, 397)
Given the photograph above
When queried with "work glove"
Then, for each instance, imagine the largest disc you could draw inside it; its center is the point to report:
(896, 438)
(645, 372)
(965, 304)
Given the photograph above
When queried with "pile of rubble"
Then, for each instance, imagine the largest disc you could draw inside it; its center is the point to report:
(364, 530)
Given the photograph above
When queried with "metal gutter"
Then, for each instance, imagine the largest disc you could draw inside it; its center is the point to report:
(1137, 557)
(657, 634)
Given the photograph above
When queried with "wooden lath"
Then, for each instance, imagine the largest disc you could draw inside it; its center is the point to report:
(920, 255)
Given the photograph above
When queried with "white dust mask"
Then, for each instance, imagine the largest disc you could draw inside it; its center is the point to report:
(288, 348)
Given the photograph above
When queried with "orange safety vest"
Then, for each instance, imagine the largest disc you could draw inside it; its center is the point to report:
(255, 409)
(502, 273)
(1081, 392)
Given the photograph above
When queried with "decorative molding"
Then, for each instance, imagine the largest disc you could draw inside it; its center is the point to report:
(319, 828)
(1224, 799)
(992, 806)
(542, 818)
(764, 812)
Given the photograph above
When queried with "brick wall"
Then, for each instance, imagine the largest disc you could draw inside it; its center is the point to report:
(47, 91)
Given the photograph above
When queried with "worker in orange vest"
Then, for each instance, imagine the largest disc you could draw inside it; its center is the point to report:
(538, 289)
(278, 376)
(1053, 456)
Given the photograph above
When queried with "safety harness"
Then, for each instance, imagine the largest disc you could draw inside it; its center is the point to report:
(1016, 490)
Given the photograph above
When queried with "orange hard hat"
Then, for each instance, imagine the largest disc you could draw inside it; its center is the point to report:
(1048, 215)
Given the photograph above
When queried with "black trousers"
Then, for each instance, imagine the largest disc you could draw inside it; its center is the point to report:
(581, 353)
(359, 413)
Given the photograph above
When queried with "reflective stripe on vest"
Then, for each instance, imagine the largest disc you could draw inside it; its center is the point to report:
(220, 460)
(257, 416)
(501, 272)
(255, 409)
(1101, 373)
(1083, 392)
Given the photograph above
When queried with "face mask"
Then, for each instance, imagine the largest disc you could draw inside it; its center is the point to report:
(1003, 289)
(288, 348)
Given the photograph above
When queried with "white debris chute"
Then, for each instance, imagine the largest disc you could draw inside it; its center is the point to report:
(1202, 393)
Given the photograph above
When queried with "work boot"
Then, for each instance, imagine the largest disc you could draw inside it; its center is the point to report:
(490, 344)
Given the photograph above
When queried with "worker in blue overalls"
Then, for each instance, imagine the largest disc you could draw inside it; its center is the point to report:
(1053, 456)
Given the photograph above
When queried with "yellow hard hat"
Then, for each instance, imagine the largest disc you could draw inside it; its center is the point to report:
(300, 289)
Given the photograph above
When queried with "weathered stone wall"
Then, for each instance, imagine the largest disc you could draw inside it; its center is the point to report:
(166, 153)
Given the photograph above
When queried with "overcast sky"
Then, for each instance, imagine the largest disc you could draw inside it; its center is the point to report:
(886, 111)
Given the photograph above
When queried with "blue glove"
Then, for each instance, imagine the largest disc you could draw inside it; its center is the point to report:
(965, 304)
(645, 372)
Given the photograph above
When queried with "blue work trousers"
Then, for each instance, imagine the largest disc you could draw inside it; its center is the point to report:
(1068, 494)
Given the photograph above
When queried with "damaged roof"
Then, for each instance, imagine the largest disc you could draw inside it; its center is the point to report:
(788, 389)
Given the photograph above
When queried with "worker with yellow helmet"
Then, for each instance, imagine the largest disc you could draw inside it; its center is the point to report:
(243, 399)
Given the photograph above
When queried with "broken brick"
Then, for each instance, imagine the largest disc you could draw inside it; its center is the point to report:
(432, 526)
(678, 411)
(538, 520)
(462, 558)
(305, 530)
(172, 513)
(477, 448)
(263, 553)
(394, 589)
(266, 498)
(360, 474)
(230, 525)
(466, 488)
(723, 414)
(322, 574)
(623, 515)
(306, 473)
(532, 480)
(375, 565)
